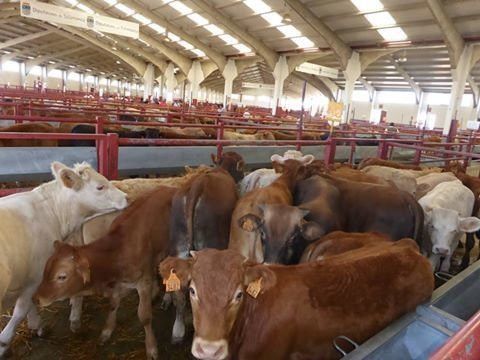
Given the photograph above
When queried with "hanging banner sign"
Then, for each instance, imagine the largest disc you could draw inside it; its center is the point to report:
(77, 18)
(249, 85)
(318, 70)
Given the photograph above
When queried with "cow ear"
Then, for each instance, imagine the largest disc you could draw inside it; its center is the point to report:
(307, 159)
(258, 279)
(312, 231)
(278, 167)
(56, 167)
(83, 267)
(250, 222)
(182, 268)
(277, 159)
(469, 224)
(240, 165)
(57, 244)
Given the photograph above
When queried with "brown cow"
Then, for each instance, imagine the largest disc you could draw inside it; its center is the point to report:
(243, 238)
(296, 312)
(359, 176)
(339, 242)
(29, 128)
(125, 258)
(388, 163)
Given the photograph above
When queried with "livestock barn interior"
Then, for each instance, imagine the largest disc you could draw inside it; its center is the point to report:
(239, 179)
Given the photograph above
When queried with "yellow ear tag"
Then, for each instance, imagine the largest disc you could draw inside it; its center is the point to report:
(254, 288)
(172, 283)
(248, 225)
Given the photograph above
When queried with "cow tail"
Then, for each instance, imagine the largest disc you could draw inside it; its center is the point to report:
(417, 211)
(190, 205)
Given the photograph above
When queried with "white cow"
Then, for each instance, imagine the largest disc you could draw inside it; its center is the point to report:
(448, 208)
(263, 177)
(427, 183)
(29, 224)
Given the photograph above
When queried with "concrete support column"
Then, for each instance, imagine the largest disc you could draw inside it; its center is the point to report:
(160, 81)
(148, 81)
(108, 85)
(422, 107)
(351, 73)
(81, 83)
(170, 82)
(229, 74)
(280, 73)
(459, 77)
(195, 76)
(373, 103)
(23, 74)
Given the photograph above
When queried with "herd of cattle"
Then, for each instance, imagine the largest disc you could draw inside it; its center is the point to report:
(276, 264)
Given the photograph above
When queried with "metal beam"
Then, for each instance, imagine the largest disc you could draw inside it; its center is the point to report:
(413, 84)
(23, 39)
(39, 59)
(29, 50)
(339, 47)
(369, 87)
(453, 39)
(270, 56)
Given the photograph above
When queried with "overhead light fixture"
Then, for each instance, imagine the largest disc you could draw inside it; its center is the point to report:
(118, 62)
(180, 7)
(393, 34)
(52, 62)
(124, 9)
(30, 57)
(89, 70)
(273, 18)
(142, 19)
(71, 66)
(114, 48)
(214, 29)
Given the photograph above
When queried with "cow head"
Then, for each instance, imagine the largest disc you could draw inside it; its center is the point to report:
(66, 273)
(444, 227)
(84, 186)
(283, 231)
(232, 162)
(217, 281)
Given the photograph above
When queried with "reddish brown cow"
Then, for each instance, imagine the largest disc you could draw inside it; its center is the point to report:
(296, 312)
(388, 163)
(123, 259)
(359, 176)
(29, 128)
(339, 242)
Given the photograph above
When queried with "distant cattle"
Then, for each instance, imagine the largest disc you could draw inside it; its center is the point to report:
(261, 135)
(448, 209)
(359, 176)
(29, 224)
(33, 127)
(339, 242)
(125, 258)
(243, 310)
(388, 163)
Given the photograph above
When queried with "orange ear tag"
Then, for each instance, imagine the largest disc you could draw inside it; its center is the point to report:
(172, 283)
(254, 288)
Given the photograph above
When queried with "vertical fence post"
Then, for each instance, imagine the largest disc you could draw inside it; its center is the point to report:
(382, 149)
(112, 156)
(300, 121)
(329, 157)
(220, 129)
(102, 156)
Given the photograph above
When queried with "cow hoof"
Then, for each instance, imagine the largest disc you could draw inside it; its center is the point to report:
(3, 349)
(105, 336)
(166, 302)
(75, 325)
(177, 340)
(152, 354)
(40, 332)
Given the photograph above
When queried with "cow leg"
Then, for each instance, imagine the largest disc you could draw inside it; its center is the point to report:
(23, 305)
(111, 322)
(34, 321)
(446, 264)
(178, 331)
(434, 261)
(469, 244)
(144, 290)
(76, 303)
(167, 301)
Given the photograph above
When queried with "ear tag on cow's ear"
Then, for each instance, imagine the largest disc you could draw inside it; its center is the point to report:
(172, 283)
(254, 288)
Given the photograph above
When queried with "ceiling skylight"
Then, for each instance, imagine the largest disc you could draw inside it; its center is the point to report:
(144, 20)
(393, 34)
(125, 9)
(72, 2)
(289, 31)
(111, 2)
(368, 5)
(185, 45)
(85, 8)
(198, 19)
(230, 40)
(273, 18)
(180, 7)
(214, 29)
(159, 29)
(173, 37)
(303, 42)
(258, 6)
(198, 52)
(380, 19)
(242, 48)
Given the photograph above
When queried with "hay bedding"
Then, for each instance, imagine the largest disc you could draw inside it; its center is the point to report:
(127, 340)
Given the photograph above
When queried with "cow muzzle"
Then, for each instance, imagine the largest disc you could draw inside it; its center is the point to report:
(211, 350)
(441, 250)
(40, 301)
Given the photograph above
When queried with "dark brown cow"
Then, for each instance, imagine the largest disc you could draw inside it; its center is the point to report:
(29, 128)
(388, 163)
(125, 258)
(339, 242)
(243, 238)
(298, 310)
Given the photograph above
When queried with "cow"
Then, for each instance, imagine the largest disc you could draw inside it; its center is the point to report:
(388, 163)
(426, 183)
(126, 258)
(201, 213)
(261, 135)
(263, 177)
(243, 310)
(339, 242)
(29, 224)
(359, 176)
(29, 128)
(243, 238)
(448, 209)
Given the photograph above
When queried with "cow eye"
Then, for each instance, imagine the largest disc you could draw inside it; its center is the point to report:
(239, 296)
(192, 291)
(100, 187)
